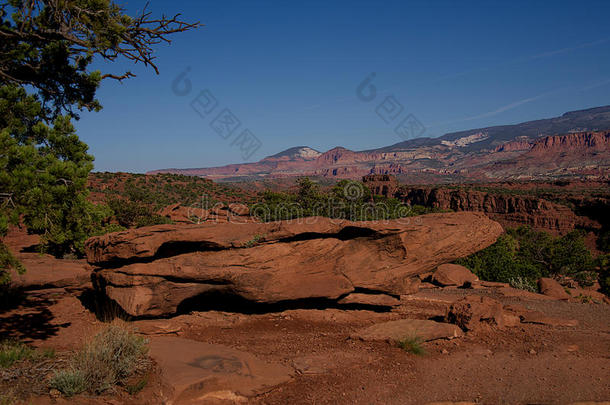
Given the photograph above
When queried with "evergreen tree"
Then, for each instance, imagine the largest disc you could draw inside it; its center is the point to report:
(46, 48)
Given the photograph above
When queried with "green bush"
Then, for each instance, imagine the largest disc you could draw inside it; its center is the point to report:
(522, 256)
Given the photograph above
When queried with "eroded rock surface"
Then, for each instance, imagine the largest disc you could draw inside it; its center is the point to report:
(151, 271)
(198, 372)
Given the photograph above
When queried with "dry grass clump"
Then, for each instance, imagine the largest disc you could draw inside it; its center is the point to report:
(109, 359)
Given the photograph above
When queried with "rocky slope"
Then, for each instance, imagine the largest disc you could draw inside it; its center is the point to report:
(577, 144)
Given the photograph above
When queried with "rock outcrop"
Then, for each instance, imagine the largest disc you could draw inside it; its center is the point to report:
(238, 213)
(151, 271)
(508, 210)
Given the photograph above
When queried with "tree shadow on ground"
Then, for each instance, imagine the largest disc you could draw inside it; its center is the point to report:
(28, 318)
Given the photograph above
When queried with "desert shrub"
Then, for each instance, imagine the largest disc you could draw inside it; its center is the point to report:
(412, 344)
(523, 283)
(586, 278)
(138, 386)
(69, 382)
(109, 359)
(522, 256)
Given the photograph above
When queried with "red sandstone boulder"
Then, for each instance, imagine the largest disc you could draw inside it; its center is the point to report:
(151, 271)
(472, 311)
(453, 275)
(552, 288)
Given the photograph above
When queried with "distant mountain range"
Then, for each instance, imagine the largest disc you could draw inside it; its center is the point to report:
(576, 144)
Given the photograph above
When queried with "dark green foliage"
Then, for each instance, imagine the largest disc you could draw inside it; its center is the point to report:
(603, 241)
(346, 200)
(604, 273)
(523, 255)
(43, 174)
(8, 262)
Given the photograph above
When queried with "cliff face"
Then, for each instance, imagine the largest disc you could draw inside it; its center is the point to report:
(590, 141)
(508, 210)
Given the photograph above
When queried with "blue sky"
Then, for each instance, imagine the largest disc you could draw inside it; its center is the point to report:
(289, 72)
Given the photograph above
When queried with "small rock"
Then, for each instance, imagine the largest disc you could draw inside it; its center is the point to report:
(445, 351)
(532, 351)
(54, 393)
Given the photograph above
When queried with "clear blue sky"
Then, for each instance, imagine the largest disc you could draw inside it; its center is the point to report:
(289, 72)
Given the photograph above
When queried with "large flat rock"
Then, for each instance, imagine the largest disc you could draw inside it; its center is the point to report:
(200, 373)
(151, 271)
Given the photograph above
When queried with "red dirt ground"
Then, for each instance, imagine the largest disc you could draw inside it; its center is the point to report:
(519, 365)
